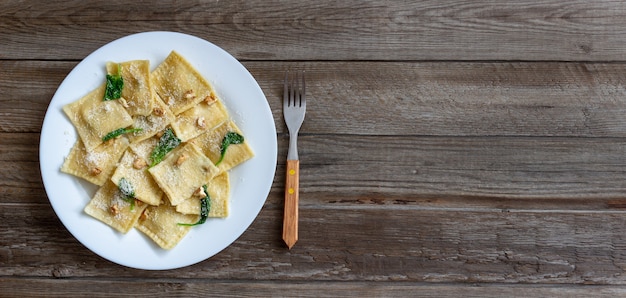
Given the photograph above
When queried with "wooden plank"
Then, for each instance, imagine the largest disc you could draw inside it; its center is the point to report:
(501, 167)
(27, 287)
(329, 30)
(368, 243)
(20, 178)
(27, 90)
(456, 99)
(487, 172)
(371, 98)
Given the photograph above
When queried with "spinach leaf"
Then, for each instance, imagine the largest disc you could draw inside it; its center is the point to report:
(119, 132)
(167, 143)
(128, 191)
(114, 85)
(205, 207)
(231, 138)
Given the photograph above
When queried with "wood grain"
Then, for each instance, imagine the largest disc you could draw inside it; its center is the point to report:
(405, 98)
(411, 169)
(256, 288)
(450, 148)
(457, 99)
(27, 90)
(410, 245)
(328, 30)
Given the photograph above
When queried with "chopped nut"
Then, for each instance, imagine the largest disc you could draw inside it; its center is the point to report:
(123, 102)
(209, 99)
(189, 94)
(157, 111)
(139, 163)
(143, 215)
(95, 171)
(181, 159)
(114, 210)
(201, 122)
(200, 192)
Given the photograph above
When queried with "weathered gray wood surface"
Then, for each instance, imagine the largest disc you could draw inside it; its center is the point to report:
(451, 148)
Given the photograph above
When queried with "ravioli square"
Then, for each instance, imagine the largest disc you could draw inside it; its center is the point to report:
(97, 165)
(179, 84)
(144, 148)
(133, 168)
(150, 125)
(161, 224)
(94, 118)
(182, 172)
(137, 93)
(211, 143)
(199, 119)
(219, 192)
(109, 206)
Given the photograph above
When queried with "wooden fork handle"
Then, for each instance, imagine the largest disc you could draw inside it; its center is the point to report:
(290, 219)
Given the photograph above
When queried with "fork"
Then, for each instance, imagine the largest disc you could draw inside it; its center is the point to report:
(294, 107)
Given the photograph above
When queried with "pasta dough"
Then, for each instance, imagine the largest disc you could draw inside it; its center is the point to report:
(93, 118)
(182, 172)
(137, 93)
(109, 207)
(199, 119)
(144, 148)
(96, 165)
(133, 168)
(156, 121)
(219, 192)
(210, 144)
(179, 84)
(161, 224)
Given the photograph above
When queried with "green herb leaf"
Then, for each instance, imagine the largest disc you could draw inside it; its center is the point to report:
(231, 138)
(167, 143)
(128, 191)
(205, 207)
(114, 86)
(118, 132)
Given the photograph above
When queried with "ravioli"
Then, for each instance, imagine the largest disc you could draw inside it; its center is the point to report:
(199, 119)
(97, 165)
(179, 84)
(109, 206)
(161, 224)
(150, 125)
(133, 168)
(210, 143)
(219, 192)
(94, 118)
(144, 148)
(137, 94)
(182, 172)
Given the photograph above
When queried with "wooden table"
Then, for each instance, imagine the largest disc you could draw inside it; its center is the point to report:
(450, 148)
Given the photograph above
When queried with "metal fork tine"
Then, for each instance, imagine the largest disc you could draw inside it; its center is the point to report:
(296, 100)
(292, 93)
(286, 90)
(303, 94)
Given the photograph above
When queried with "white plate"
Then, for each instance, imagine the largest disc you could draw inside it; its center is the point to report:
(250, 182)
